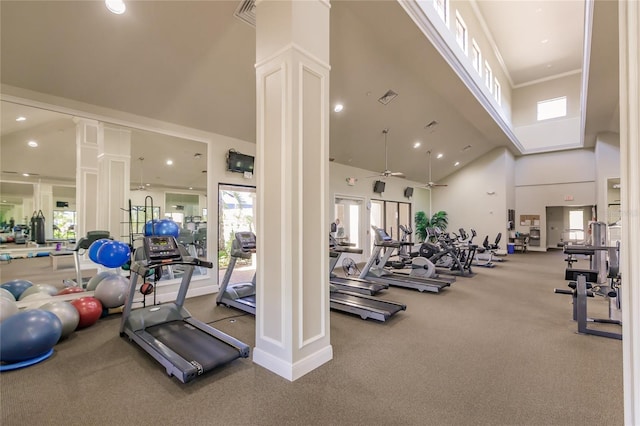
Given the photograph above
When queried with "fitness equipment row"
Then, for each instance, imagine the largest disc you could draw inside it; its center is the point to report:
(185, 346)
(342, 297)
(422, 275)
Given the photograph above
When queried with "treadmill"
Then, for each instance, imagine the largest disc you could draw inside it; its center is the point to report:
(374, 270)
(239, 295)
(356, 285)
(185, 346)
(350, 295)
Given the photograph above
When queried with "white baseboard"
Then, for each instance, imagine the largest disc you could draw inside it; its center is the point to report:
(296, 370)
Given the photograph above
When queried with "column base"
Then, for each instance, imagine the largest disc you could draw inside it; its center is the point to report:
(296, 370)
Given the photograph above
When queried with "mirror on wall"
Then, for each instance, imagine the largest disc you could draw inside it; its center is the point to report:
(613, 201)
(38, 149)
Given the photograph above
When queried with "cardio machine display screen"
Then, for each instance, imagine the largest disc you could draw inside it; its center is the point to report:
(161, 248)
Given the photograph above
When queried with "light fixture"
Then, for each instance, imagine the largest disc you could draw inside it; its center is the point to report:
(456, 164)
(338, 107)
(545, 41)
(21, 118)
(25, 174)
(32, 144)
(417, 144)
(191, 187)
(116, 6)
(491, 192)
(387, 97)
(169, 162)
(439, 156)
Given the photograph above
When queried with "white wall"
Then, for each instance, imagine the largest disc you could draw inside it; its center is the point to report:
(559, 133)
(467, 200)
(565, 178)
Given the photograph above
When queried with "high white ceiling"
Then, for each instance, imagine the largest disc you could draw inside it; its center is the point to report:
(192, 64)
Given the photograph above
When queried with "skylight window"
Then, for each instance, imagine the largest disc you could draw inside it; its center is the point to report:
(497, 91)
(461, 33)
(442, 7)
(552, 108)
(476, 57)
(488, 76)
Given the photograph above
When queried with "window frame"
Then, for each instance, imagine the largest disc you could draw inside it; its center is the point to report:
(488, 76)
(497, 91)
(459, 22)
(476, 62)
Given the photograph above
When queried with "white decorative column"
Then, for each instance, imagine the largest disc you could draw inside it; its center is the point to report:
(87, 134)
(114, 161)
(292, 73)
(629, 36)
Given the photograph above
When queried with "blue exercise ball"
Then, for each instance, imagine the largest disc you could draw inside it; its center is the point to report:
(16, 287)
(167, 227)
(114, 254)
(95, 246)
(149, 227)
(28, 334)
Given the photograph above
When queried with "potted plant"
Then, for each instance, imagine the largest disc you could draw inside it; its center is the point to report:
(438, 220)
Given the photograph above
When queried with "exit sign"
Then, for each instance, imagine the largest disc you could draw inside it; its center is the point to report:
(568, 197)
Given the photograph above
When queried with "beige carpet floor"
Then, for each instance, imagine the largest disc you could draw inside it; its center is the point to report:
(496, 349)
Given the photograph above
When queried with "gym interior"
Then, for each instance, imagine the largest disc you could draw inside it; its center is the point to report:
(164, 245)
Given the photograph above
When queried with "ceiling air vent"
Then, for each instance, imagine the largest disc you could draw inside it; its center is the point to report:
(387, 97)
(246, 12)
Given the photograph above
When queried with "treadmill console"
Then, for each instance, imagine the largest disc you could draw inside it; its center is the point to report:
(246, 240)
(161, 248)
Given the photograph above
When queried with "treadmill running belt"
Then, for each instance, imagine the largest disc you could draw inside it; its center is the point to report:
(380, 305)
(193, 344)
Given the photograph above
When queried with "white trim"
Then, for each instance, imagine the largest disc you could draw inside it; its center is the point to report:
(586, 61)
(476, 47)
(292, 371)
(629, 32)
(545, 79)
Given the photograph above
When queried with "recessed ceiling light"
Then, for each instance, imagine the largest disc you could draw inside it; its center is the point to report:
(417, 144)
(456, 164)
(21, 118)
(25, 174)
(191, 187)
(338, 107)
(169, 162)
(544, 41)
(439, 156)
(32, 144)
(116, 6)
(147, 184)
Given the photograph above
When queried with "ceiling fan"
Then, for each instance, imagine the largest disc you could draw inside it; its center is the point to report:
(386, 173)
(431, 184)
(142, 186)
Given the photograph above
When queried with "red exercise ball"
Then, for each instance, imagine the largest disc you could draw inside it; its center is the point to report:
(90, 310)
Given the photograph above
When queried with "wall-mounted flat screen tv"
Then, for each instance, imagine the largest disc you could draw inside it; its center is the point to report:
(239, 163)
